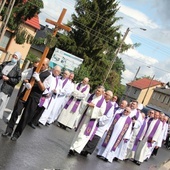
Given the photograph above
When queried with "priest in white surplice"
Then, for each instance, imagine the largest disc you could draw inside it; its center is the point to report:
(103, 125)
(117, 135)
(92, 109)
(70, 111)
(152, 135)
(49, 117)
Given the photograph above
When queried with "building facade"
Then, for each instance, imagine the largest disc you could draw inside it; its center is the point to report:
(141, 90)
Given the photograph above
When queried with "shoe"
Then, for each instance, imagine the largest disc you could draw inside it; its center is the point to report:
(105, 159)
(6, 134)
(14, 138)
(99, 156)
(47, 124)
(84, 153)
(146, 160)
(63, 127)
(32, 125)
(138, 163)
(115, 159)
(71, 153)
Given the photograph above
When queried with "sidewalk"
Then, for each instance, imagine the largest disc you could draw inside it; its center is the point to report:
(165, 166)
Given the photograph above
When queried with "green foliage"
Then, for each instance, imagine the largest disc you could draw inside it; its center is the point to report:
(22, 11)
(31, 57)
(95, 36)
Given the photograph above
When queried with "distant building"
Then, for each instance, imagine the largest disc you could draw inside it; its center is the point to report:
(8, 45)
(141, 90)
(38, 50)
(160, 100)
(65, 60)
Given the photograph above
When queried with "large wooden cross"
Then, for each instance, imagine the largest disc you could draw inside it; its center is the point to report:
(58, 25)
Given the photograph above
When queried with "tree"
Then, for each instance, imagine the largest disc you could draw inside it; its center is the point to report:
(22, 10)
(94, 37)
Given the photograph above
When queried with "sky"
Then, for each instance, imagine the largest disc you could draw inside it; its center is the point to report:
(152, 57)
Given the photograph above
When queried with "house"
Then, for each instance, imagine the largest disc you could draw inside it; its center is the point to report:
(160, 100)
(8, 45)
(38, 50)
(141, 90)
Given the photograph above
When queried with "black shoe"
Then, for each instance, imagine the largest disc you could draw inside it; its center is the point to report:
(71, 153)
(138, 163)
(105, 159)
(32, 125)
(14, 138)
(146, 160)
(115, 159)
(47, 124)
(6, 134)
(84, 153)
(99, 156)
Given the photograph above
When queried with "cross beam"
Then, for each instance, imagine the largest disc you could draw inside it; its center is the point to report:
(58, 25)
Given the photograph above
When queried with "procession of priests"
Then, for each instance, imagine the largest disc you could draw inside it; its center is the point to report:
(113, 129)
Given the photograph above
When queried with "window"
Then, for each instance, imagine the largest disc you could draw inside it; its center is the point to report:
(5, 40)
(167, 99)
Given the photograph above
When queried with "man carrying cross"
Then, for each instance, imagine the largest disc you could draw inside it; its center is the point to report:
(42, 81)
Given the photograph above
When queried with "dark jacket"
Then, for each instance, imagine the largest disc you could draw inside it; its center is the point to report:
(14, 78)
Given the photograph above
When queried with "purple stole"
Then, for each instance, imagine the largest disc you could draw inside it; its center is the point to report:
(137, 114)
(77, 101)
(138, 136)
(108, 107)
(92, 121)
(152, 133)
(122, 133)
(42, 100)
(64, 83)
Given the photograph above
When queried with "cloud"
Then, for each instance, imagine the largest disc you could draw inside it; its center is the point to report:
(158, 9)
(52, 10)
(137, 17)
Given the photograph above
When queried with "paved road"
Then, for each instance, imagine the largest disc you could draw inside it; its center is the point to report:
(47, 148)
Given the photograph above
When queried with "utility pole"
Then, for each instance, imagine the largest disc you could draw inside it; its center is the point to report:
(116, 53)
(58, 25)
(6, 17)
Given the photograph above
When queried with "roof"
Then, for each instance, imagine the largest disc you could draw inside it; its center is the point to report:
(34, 22)
(144, 83)
(162, 90)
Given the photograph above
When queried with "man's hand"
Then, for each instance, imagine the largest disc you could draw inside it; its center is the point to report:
(91, 104)
(5, 78)
(36, 76)
(28, 86)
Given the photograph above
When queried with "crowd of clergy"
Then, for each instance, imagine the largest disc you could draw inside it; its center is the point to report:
(117, 131)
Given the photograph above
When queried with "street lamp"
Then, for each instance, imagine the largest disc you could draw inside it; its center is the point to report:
(117, 51)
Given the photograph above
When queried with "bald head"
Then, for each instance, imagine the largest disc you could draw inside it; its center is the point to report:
(108, 95)
(56, 71)
(85, 81)
(123, 104)
(45, 64)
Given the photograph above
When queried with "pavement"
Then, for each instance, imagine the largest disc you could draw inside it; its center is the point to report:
(46, 148)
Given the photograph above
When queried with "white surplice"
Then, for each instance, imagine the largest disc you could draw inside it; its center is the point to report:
(80, 139)
(107, 151)
(67, 117)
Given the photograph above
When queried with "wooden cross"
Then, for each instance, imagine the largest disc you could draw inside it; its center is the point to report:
(58, 25)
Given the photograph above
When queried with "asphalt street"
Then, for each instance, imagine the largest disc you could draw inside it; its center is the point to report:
(46, 148)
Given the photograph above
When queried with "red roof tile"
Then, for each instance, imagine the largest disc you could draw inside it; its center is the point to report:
(34, 22)
(144, 83)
